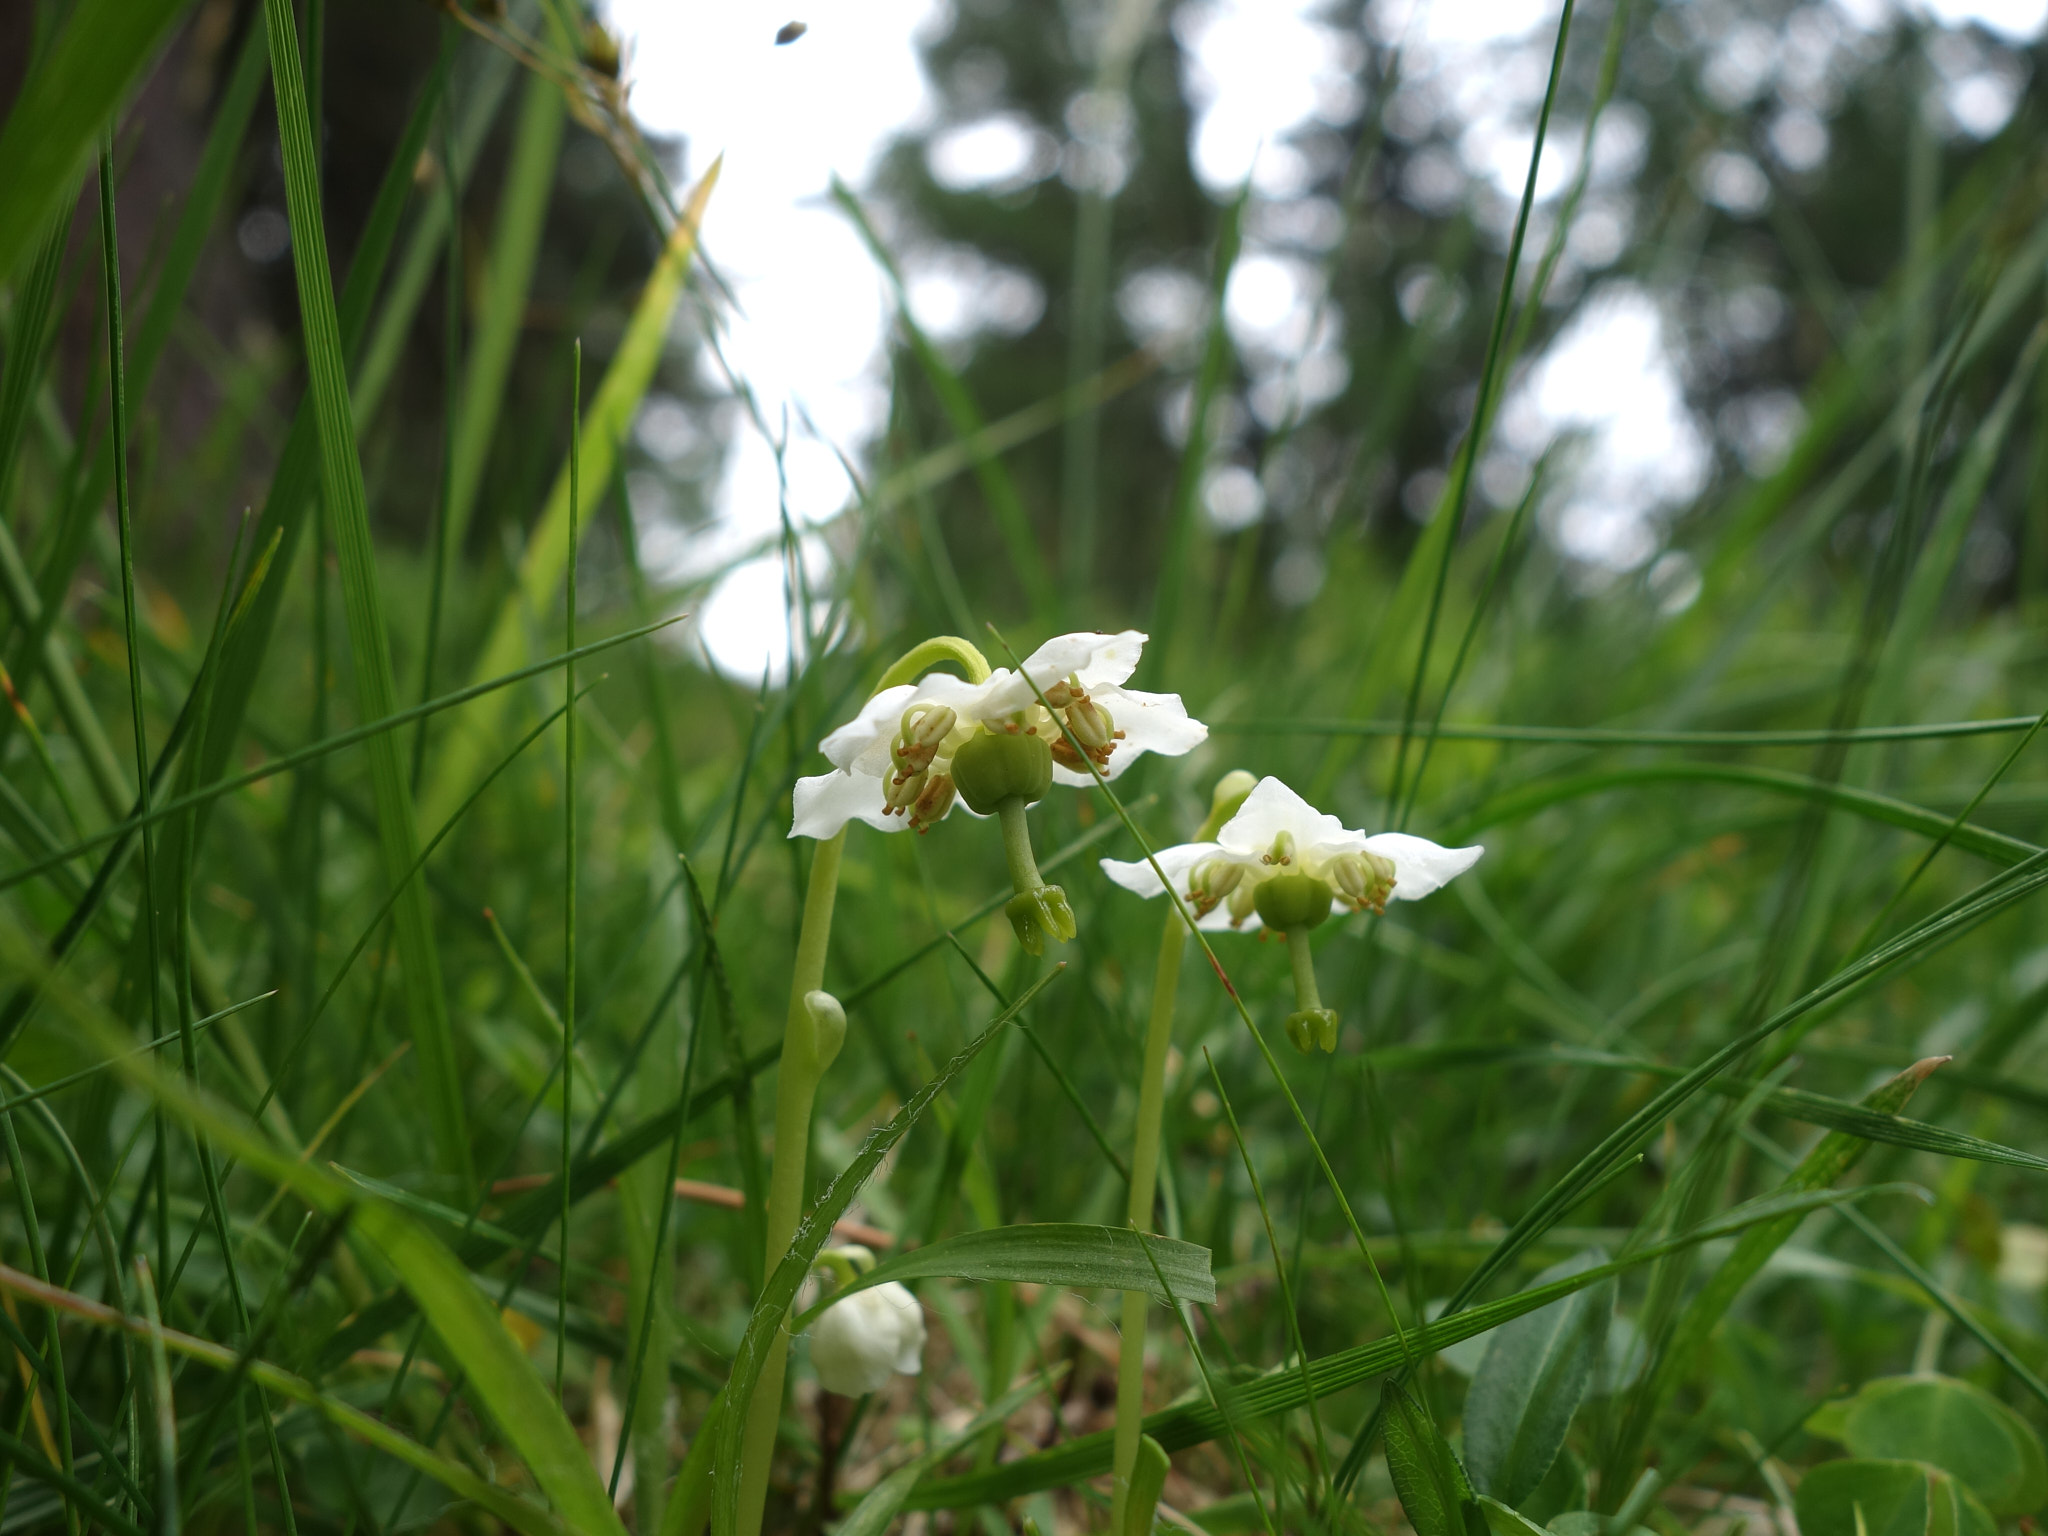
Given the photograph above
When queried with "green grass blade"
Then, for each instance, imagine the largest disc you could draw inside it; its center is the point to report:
(1075, 1255)
(63, 108)
(341, 480)
(605, 424)
(502, 304)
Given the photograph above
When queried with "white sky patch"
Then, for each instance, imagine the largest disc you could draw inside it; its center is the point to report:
(1610, 380)
(811, 311)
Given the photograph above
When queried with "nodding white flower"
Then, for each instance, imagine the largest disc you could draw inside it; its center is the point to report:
(894, 762)
(858, 1341)
(1276, 836)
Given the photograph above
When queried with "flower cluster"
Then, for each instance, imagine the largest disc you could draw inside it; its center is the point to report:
(899, 763)
(1282, 863)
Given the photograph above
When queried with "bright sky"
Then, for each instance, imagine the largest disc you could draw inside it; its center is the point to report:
(812, 312)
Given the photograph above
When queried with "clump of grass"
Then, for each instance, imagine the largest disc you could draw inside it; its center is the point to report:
(452, 1202)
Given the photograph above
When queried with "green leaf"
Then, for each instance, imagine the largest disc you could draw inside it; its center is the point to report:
(1432, 1487)
(1531, 1383)
(1148, 1480)
(1070, 1254)
(1283, 1389)
(1502, 1521)
(1865, 1497)
(341, 486)
(62, 107)
(1953, 1425)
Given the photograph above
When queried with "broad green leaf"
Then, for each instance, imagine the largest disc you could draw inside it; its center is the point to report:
(1502, 1521)
(1530, 1384)
(1863, 1497)
(1953, 1425)
(64, 104)
(1070, 1254)
(1432, 1487)
(1282, 1389)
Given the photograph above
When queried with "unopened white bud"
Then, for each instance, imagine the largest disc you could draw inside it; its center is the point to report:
(861, 1339)
(828, 1028)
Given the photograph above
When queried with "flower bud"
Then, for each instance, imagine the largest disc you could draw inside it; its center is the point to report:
(933, 802)
(989, 769)
(1291, 902)
(828, 1030)
(1212, 880)
(861, 1339)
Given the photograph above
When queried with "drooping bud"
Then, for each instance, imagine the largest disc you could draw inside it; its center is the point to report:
(1211, 881)
(933, 801)
(1282, 851)
(828, 1030)
(860, 1341)
(1365, 880)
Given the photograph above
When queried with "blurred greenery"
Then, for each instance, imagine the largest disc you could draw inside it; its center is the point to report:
(1746, 729)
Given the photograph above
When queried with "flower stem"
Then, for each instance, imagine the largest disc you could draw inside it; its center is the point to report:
(796, 1089)
(1130, 1355)
(1024, 875)
(1305, 995)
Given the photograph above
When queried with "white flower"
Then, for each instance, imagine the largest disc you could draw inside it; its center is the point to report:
(891, 761)
(860, 1340)
(1276, 832)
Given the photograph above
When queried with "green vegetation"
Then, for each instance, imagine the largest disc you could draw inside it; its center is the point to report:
(434, 1089)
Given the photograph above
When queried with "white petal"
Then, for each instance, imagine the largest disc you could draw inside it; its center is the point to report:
(876, 721)
(828, 801)
(909, 1327)
(1272, 808)
(1099, 660)
(1137, 874)
(1420, 866)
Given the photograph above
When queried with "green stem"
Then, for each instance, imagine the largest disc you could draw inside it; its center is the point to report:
(1130, 1355)
(796, 1091)
(1305, 995)
(1024, 875)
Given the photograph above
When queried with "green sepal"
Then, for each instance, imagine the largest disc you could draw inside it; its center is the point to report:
(1288, 902)
(1313, 1029)
(992, 767)
(1037, 914)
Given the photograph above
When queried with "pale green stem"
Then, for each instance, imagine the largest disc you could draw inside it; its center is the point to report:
(1024, 875)
(796, 1092)
(1305, 995)
(1130, 1354)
